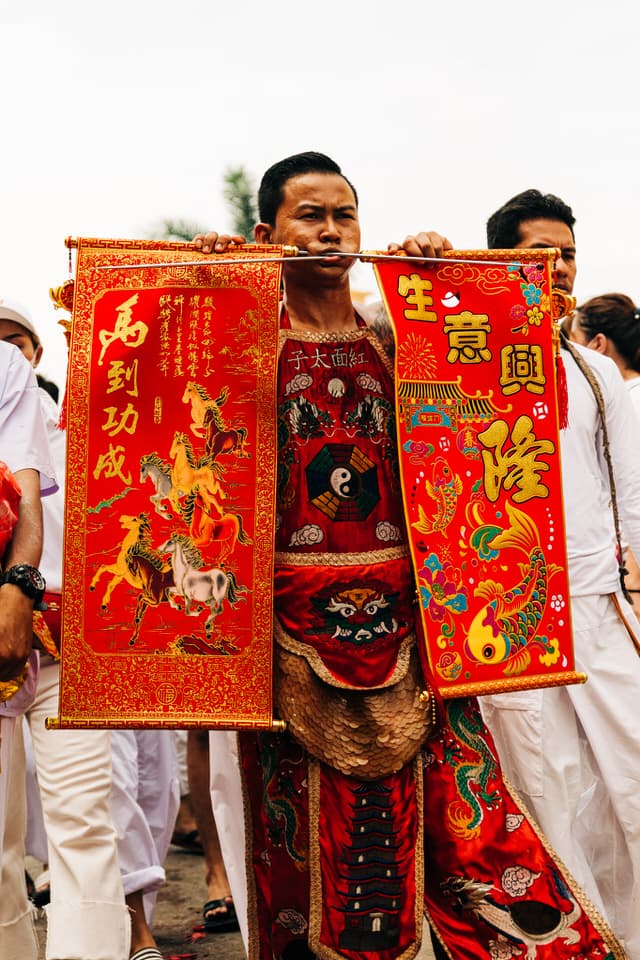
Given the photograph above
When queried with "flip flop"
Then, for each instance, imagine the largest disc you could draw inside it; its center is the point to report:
(225, 920)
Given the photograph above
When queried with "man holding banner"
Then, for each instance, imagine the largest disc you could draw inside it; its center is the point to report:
(574, 752)
(357, 819)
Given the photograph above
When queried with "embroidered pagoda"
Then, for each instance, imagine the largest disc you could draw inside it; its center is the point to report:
(371, 875)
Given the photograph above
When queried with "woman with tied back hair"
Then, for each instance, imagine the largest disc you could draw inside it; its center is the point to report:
(610, 324)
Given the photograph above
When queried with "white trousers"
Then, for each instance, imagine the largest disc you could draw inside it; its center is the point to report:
(574, 755)
(18, 939)
(228, 810)
(144, 801)
(87, 918)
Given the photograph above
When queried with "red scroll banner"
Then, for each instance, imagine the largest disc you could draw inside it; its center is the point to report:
(171, 462)
(477, 410)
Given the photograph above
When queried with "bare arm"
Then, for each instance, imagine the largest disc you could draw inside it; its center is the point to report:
(16, 610)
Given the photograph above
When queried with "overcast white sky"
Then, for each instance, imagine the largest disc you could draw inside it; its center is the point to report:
(115, 115)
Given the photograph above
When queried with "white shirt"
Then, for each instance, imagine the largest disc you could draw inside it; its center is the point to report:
(590, 530)
(53, 506)
(633, 386)
(23, 435)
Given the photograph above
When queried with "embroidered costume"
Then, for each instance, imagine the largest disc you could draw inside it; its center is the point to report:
(363, 815)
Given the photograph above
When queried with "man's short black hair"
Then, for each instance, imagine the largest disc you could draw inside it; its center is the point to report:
(503, 227)
(270, 194)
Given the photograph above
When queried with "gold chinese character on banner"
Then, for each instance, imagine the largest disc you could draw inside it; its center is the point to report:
(467, 333)
(517, 466)
(415, 290)
(119, 376)
(521, 366)
(111, 463)
(131, 334)
(126, 420)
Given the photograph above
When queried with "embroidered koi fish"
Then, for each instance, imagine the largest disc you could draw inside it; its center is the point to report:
(445, 490)
(506, 627)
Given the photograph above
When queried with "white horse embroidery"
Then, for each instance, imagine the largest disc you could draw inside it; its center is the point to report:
(209, 588)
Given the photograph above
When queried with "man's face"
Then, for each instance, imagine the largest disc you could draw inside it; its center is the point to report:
(552, 233)
(318, 213)
(16, 334)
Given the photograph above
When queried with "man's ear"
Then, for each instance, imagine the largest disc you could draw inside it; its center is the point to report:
(37, 356)
(263, 233)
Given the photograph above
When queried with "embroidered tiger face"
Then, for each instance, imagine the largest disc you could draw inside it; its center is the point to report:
(357, 613)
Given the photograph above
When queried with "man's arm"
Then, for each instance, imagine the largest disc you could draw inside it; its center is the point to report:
(16, 609)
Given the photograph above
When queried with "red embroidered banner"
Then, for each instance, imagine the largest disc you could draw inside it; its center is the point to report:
(477, 413)
(171, 462)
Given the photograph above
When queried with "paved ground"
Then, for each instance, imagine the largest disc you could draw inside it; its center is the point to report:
(179, 911)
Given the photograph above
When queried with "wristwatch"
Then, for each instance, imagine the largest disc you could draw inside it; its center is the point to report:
(29, 580)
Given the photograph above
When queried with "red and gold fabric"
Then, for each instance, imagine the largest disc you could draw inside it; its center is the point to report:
(478, 412)
(358, 819)
(168, 561)
(343, 585)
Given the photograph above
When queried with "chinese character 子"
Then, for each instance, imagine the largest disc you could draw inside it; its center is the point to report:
(111, 464)
(467, 333)
(521, 366)
(120, 375)
(131, 334)
(126, 420)
(518, 465)
(415, 290)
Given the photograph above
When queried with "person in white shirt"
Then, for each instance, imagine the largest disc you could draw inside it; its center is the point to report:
(574, 752)
(24, 448)
(610, 324)
(87, 918)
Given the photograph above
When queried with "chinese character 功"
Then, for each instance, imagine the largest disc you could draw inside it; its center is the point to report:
(128, 420)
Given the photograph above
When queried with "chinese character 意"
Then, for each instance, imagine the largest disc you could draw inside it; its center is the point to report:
(521, 366)
(131, 334)
(415, 290)
(517, 465)
(467, 333)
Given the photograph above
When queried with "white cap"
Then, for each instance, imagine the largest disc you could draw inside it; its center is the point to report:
(12, 310)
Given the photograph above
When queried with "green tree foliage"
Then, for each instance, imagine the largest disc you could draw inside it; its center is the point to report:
(176, 229)
(239, 192)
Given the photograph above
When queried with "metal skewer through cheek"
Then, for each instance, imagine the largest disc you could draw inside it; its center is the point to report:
(290, 254)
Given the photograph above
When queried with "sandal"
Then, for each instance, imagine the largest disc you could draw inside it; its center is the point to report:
(224, 921)
(188, 842)
(42, 891)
